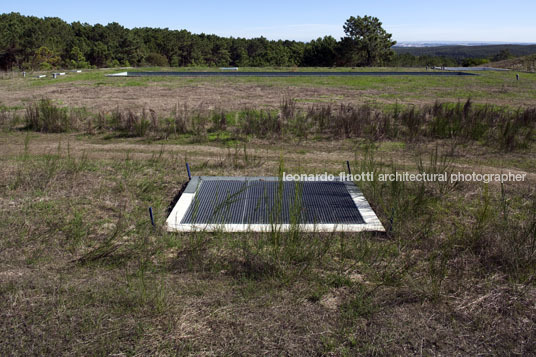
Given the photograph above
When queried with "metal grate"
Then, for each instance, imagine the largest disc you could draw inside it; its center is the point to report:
(271, 202)
(287, 74)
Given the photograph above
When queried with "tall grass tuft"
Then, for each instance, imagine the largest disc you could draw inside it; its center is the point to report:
(46, 117)
(260, 123)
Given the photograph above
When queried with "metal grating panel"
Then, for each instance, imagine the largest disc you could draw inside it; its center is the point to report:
(217, 202)
(271, 202)
(287, 74)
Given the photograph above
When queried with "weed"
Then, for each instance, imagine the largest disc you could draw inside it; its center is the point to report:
(496, 126)
(360, 305)
(107, 247)
(45, 116)
(240, 158)
(76, 230)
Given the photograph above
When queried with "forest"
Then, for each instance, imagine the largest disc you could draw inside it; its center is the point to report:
(33, 43)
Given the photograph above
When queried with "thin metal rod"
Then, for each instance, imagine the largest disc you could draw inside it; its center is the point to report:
(188, 169)
(151, 215)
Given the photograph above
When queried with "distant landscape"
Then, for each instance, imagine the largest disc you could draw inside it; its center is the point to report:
(32, 43)
(460, 52)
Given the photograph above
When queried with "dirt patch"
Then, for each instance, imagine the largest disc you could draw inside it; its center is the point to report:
(162, 99)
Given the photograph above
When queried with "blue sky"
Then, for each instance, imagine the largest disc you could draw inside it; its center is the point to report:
(480, 20)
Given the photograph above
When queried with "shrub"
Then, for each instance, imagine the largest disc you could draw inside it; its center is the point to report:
(180, 115)
(260, 123)
(156, 59)
(46, 117)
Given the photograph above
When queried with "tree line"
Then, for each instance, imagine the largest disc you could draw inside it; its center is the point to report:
(29, 42)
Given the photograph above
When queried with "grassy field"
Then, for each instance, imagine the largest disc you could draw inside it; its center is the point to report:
(96, 92)
(83, 271)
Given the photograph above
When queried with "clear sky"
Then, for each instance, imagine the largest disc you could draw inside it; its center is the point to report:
(409, 20)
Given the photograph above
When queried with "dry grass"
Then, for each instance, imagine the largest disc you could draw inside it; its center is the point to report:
(83, 272)
(227, 96)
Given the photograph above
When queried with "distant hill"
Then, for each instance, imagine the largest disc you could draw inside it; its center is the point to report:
(461, 52)
(456, 43)
(525, 63)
